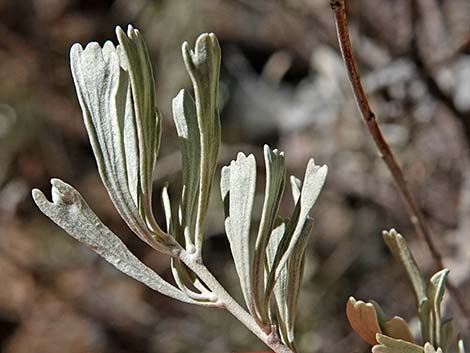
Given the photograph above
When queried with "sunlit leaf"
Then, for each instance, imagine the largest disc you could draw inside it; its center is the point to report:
(398, 247)
(241, 186)
(203, 65)
(103, 90)
(185, 118)
(70, 212)
(148, 120)
(274, 188)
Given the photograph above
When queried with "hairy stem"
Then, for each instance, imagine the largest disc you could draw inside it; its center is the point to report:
(226, 301)
(421, 227)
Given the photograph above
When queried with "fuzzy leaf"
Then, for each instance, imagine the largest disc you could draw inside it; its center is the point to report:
(363, 319)
(102, 86)
(148, 120)
(295, 269)
(70, 212)
(280, 289)
(447, 332)
(191, 285)
(392, 345)
(435, 293)
(185, 118)
(241, 188)
(397, 245)
(296, 186)
(203, 65)
(425, 319)
(313, 182)
(275, 181)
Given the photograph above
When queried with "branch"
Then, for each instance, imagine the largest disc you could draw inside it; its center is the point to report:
(421, 227)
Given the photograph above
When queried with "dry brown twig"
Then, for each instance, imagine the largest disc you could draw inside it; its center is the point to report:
(420, 225)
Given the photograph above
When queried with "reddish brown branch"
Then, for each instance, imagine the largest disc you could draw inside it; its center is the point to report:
(421, 227)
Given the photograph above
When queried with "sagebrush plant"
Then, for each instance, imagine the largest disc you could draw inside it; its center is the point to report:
(116, 91)
(392, 335)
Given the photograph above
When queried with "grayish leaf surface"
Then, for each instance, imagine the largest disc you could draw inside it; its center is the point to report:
(435, 291)
(280, 288)
(185, 118)
(393, 345)
(240, 182)
(203, 65)
(147, 117)
(274, 189)
(313, 182)
(103, 89)
(397, 245)
(70, 212)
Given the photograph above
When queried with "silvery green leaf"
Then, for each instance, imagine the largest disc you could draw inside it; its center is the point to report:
(101, 85)
(425, 319)
(275, 181)
(203, 65)
(397, 245)
(435, 293)
(447, 332)
(296, 186)
(313, 182)
(147, 117)
(185, 279)
(295, 269)
(190, 284)
(392, 345)
(71, 212)
(185, 118)
(241, 189)
(280, 288)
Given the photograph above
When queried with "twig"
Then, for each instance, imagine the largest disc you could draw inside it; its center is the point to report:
(227, 302)
(421, 227)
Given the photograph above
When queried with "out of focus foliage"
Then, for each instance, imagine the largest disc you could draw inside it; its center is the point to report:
(283, 83)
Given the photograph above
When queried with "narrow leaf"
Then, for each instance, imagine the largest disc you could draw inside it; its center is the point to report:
(275, 181)
(426, 320)
(435, 293)
(70, 212)
(280, 289)
(203, 65)
(148, 120)
(447, 332)
(313, 182)
(295, 269)
(185, 118)
(101, 84)
(241, 188)
(397, 245)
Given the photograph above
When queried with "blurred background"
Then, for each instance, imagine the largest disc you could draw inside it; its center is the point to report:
(282, 83)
